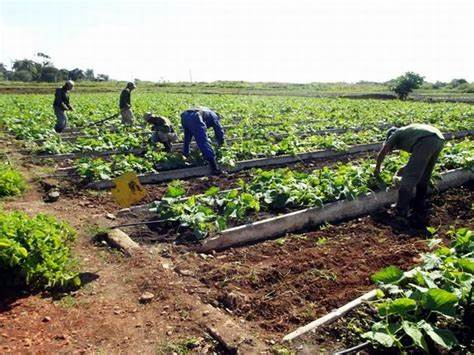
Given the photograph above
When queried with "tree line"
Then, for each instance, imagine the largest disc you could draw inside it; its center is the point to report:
(43, 70)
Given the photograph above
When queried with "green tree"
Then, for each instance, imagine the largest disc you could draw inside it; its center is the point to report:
(3, 72)
(49, 74)
(46, 59)
(22, 75)
(89, 73)
(456, 82)
(63, 75)
(405, 84)
(28, 65)
(77, 74)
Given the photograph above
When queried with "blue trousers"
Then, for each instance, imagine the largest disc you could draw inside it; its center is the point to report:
(194, 126)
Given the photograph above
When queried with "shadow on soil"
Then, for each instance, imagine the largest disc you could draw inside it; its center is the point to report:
(13, 290)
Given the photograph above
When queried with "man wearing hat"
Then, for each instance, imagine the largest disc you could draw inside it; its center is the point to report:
(425, 143)
(61, 104)
(126, 105)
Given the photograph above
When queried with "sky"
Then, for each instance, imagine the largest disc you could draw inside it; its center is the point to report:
(252, 40)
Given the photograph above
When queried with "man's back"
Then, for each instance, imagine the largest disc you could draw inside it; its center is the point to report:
(406, 137)
(124, 98)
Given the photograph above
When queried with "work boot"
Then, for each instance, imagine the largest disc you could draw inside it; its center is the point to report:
(419, 203)
(403, 204)
(399, 218)
(215, 167)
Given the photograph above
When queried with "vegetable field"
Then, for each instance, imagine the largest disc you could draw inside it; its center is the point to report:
(233, 263)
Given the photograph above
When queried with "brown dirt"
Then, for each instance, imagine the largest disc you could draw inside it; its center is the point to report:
(105, 314)
(284, 283)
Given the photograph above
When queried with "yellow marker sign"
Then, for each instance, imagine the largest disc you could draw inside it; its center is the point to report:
(128, 190)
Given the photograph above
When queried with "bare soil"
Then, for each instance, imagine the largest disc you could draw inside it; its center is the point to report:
(285, 283)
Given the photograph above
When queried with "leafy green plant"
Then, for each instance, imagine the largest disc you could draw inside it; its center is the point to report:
(35, 250)
(420, 306)
(11, 181)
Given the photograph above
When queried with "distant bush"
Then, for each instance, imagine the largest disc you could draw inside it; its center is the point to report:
(438, 85)
(405, 84)
(456, 82)
(34, 251)
(11, 181)
(466, 87)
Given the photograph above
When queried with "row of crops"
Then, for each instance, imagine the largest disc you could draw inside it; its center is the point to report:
(257, 126)
(280, 190)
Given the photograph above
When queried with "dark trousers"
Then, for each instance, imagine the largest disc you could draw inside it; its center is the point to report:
(61, 120)
(417, 173)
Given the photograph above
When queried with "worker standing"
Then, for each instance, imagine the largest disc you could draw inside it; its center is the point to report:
(163, 131)
(61, 104)
(425, 143)
(195, 123)
(126, 104)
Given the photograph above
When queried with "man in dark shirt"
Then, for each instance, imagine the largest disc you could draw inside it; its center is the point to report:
(425, 143)
(61, 104)
(126, 105)
(195, 123)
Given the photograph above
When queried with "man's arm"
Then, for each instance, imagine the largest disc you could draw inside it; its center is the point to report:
(65, 102)
(218, 131)
(380, 158)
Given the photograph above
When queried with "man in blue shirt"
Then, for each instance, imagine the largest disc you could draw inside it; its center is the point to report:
(195, 123)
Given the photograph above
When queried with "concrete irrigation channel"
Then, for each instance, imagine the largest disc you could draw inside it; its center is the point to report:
(310, 217)
(260, 163)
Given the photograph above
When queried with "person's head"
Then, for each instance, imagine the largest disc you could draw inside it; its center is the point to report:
(391, 131)
(69, 85)
(131, 86)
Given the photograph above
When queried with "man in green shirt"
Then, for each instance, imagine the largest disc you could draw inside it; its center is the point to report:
(424, 142)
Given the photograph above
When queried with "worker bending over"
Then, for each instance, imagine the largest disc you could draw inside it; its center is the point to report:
(126, 104)
(163, 130)
(61, 104)
(424, 142)
(195, 123)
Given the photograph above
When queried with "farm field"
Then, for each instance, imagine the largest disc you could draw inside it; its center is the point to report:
(230, 298)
